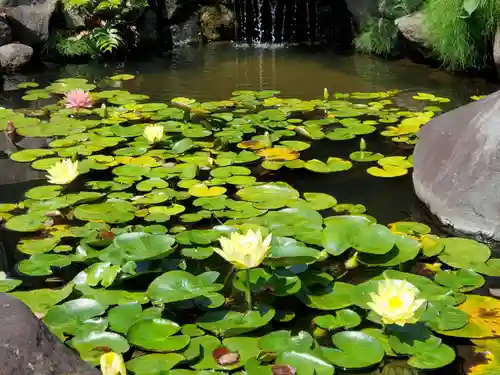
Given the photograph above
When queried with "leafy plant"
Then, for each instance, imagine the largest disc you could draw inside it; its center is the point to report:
(106, 39)
(379, 37)
(74, 46)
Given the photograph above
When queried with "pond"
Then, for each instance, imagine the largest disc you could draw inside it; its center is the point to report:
(309, 147)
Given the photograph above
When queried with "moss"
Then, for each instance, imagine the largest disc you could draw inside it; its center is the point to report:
(379, 37)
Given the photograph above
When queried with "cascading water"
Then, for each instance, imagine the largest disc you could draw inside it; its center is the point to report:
(274, 23)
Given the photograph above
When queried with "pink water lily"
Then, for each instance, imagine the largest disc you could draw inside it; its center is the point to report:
(77, 99)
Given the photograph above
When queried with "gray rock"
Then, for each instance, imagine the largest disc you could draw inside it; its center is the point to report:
(457, 167)
(413, 29)
(5, 32)
(363, 9)
(14, 56)
(28, 348)
(73, 19)
(30, 23)
(496, 50)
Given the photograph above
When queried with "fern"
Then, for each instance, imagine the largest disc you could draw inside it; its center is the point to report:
(74, 46)
(107, 38)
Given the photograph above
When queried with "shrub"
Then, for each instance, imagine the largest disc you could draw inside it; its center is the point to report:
(379, 37)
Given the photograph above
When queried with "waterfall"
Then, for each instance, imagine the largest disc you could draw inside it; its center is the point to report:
(273, 23)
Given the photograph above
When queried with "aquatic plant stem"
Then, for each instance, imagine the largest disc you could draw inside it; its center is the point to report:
(229, 274)
(248, 291)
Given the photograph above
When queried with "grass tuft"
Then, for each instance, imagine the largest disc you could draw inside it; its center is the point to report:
(379, 37)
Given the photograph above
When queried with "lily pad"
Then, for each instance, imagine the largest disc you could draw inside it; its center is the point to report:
(157, 335)
(154, 364)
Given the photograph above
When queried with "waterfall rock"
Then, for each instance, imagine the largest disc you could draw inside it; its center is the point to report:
(5, 31)
(457, 167)
(363, 9)
(27, 346)
(217, 22)
(73, 18)
(183, 19)
(14, 56)
(413, 29)
(30, 23)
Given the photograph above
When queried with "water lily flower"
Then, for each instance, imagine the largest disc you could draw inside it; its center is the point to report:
(396, 302)
(245, 251)
(112, 364)
(63, 172)
(76, 99)
(326, 94)
(153, 133)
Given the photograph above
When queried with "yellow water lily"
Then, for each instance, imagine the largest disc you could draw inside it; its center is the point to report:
(245, 251)
(153, 133)
(112, 364)
(63, 172)
(395, 302)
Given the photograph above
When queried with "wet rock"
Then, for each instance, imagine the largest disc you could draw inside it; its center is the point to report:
(217, 22)
(363, 9)
(73, 19)
(28, 348)
(412, 27)
(393, 9)
(457, 167)
(14, 56)
(30, 23)
(496, 50)
(5, 32)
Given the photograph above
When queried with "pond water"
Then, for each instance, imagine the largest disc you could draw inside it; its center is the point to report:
(214, 72)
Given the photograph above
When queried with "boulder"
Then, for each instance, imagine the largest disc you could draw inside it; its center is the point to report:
(28, 348)
(363, 10)
(5, 32)
(457, 167)
(496, 50)
(412, 27)
(73, 19)
(217, 22)
(30, 23)
(14, 56)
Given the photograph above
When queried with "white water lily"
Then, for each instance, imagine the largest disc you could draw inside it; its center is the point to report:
(245, 251)
(395, 302)
(63, 172)
(112, 364)
(153, 133)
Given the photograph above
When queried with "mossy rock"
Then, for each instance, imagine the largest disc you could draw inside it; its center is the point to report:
(217, 22)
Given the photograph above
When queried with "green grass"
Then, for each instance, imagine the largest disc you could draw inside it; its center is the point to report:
(378, 37)
(461, 42)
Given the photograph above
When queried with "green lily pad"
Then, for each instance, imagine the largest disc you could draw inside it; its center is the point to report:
(157, 335)
(122, 317)
(268, 192)
(28, 222)
(463, 252)
(94, 344)
(340, 232)
(154, 364)
(6, 284)
(343, 318)
(41, 300)
(41, 264)
(109, 212)
(30, 154)
(354, 350)
(179, 285)
(137, 246)
(320, 201)
(44, 192)
(226, 323)
(329, 297)
(374, 239)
